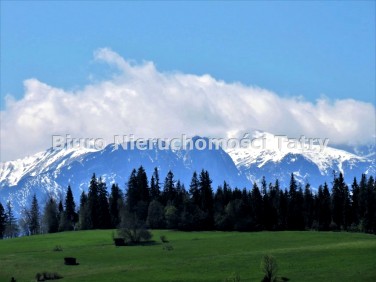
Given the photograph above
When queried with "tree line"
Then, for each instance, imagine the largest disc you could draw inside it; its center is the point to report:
(169, 204)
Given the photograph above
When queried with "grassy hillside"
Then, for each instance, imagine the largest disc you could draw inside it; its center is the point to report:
(196, 256)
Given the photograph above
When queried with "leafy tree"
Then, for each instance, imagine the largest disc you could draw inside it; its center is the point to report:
(132, 229)
(155, 218)
(51, 216)
(270, 268)
(11, 226)
(84, 213)
(171, 216)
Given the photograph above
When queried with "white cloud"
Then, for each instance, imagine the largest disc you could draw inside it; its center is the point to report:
(148, 103)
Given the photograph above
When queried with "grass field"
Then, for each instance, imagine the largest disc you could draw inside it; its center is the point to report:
(196, 256)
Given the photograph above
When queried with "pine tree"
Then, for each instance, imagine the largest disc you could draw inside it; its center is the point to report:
(155, 189)
(194, 190)
(340, 202)
(34, 224)
(355, 199)
(93, 202)
(115, 205)
(206, 202)
(308, 207)
(370, 216)
(2, 221)
(132, 196)
(257, 207)
(104, 219)
(142, 185)
(70, 210)
(169, 191)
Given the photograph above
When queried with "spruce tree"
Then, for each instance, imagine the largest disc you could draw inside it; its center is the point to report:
(115, 205)
(103, 212)
(93, 202)
(70, 210)
(155, 189)
(34, 224)
(194, 190)
(2, 221)
(355, 199)
(169, 191)
(132, 196)
(257, 207)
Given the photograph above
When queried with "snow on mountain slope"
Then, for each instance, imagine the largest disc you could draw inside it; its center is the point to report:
(13, 171)
(277, 157)
(49, 173)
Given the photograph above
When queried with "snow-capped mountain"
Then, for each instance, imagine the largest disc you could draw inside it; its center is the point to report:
(310, 161)
(50, 172)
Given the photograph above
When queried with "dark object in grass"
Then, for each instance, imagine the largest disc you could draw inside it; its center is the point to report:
(167, 247)
(47, 276)
(57, 249)
(12, 279)
(70, 261)
(119, 242)
(163, 239)
(285, 279)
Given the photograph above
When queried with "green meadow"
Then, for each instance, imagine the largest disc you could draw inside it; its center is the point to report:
(193, 256)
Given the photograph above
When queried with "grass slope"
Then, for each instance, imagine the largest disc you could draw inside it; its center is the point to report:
(197, 256)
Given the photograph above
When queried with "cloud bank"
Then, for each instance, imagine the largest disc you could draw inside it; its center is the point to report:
(143, 101)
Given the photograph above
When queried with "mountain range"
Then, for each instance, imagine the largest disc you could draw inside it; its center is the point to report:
(49, 173)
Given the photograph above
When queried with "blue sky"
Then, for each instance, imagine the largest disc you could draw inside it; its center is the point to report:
(162, 69)
(292, 48)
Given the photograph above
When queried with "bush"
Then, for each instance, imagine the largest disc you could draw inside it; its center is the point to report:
(269, 267)
(47, 276)
(57, 248)
(163, 239)
(167, 247)
(133, 230)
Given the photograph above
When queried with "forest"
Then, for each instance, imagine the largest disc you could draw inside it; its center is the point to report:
(168, 204)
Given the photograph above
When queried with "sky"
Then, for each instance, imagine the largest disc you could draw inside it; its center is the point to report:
(157, 69)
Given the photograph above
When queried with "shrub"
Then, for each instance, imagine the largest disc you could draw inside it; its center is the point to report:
(163, 239)
(133, 230)
(57, 248)
(47, 276)
(167, 247)
(269, 267)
